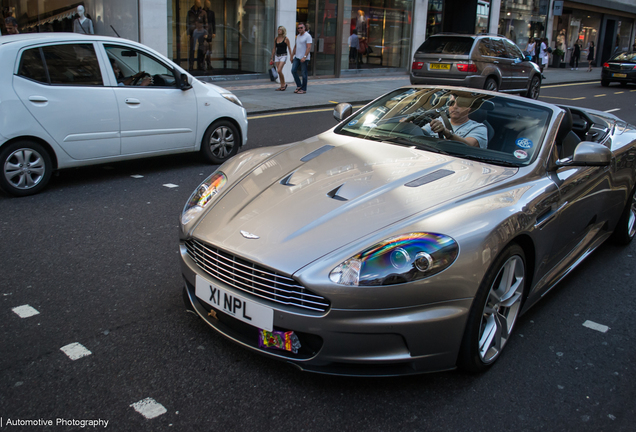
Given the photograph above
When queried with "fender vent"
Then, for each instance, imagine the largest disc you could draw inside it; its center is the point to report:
(316, 153)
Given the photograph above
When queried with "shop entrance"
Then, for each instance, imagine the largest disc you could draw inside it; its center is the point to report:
(322, 23)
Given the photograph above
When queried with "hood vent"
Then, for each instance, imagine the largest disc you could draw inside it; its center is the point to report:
(334, 194)
(429, 178)
(316, 153)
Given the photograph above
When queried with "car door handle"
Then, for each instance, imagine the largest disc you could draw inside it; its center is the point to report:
(496, 62)
(132, 101)
(38, 99)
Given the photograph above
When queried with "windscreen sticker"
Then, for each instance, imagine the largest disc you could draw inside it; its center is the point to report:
(520, 154)
(351, 123)
(524, 143)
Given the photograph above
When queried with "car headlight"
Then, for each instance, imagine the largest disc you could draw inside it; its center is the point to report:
(232, 98)
(397, 260)
(202, 196)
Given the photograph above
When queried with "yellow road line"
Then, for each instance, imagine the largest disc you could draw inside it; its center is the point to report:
(561, 98)
(601, 95)
(293, 113)
(619, 92)
(568, 85)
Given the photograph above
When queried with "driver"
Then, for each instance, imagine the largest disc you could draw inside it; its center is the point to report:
(464, 130)
(122, 81)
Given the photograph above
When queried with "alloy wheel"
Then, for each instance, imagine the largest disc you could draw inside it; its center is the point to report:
(24, 168)
(501, 309)
(631, 223)
(221, 141)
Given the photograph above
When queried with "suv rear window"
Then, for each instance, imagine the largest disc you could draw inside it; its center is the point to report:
(446, 45)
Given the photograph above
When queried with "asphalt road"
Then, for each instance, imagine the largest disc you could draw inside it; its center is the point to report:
(96, 255)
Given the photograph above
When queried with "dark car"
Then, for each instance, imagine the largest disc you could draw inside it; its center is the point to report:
(620, 68)
(478, 61)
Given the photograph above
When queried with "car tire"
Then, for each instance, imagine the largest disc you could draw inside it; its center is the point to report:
(491, 85)
(26, 168)
(535, 88)
(494, 311)
(626, 227)
(605, 83)
(220, 142)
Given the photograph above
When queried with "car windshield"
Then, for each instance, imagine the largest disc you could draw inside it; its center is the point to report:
(446, 45)
(506, 131)
(626, 57)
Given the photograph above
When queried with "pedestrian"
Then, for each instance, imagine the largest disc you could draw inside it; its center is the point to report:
(279, 55)
(199, 37)
(530, 48)
(576, 55)
(590, 57)
(543, 56)
(301, 58)
(354, 47)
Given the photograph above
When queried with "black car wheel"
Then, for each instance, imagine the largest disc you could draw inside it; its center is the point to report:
(220, 142)
(626, 227)
(494, 311)
(535, 88)
(491, 85)
(26, 168)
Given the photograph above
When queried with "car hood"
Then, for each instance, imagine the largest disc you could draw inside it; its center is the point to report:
(325, 192)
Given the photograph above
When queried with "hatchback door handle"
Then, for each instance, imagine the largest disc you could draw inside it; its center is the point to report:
(132, 101)
(38, 99)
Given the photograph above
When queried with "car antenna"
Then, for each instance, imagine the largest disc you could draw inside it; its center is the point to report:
(111, 26)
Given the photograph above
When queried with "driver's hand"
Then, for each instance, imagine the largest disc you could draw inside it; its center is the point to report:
(146, 81)
(437, 126)
(139, 74)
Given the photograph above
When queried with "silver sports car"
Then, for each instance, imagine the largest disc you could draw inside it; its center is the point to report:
(395, 243)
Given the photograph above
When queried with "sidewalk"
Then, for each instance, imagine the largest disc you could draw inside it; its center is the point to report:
(259, 96)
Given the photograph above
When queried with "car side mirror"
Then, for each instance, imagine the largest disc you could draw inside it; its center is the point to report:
(589, 153)
(185, 83)
(342, 111)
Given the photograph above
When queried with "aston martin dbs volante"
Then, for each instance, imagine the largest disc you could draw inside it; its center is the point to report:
(381, 248)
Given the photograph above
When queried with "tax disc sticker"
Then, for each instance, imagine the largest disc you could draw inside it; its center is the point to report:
(520, 154)
(524, 143)
(351, 123)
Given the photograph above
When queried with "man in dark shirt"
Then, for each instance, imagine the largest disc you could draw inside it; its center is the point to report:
(195, 13)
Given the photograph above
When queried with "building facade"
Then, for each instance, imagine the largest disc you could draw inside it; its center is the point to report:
(233, 39)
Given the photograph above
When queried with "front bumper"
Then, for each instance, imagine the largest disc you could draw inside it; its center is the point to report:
(379, 342)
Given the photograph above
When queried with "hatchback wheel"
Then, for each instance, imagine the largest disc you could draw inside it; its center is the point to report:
(494, 311)
(491, 85)
(26, 168)
(220, 142)
(535, 88)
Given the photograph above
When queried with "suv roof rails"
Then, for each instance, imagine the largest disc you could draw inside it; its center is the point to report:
(467, 34)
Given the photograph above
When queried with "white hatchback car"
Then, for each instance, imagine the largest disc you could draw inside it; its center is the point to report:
(69, 100)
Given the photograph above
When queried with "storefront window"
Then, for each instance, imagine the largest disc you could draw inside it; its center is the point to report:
(434, 24)
(383, 30)
(521, 20)
(102, 17)
(483, 12)
(222, 37)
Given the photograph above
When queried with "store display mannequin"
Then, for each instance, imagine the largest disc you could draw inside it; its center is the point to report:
(82, 24)
(195, 13)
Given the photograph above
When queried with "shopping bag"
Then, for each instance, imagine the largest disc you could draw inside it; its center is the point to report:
(273, 73)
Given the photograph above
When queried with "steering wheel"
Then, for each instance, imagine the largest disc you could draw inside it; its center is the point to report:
(138, 79)
(447, 123)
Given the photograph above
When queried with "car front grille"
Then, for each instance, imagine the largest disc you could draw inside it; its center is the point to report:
(253, 278)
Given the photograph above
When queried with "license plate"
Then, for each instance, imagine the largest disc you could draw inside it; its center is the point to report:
(617, 75)
(237, 306)
(439, 66)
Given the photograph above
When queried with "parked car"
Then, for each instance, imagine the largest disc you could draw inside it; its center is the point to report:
(620, 68)
(62, 106)
(374, 248)
(479, 61)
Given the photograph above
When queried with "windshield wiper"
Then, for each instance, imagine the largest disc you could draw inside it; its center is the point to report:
(406, 141)
(488, 160)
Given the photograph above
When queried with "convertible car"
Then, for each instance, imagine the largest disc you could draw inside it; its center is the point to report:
(376, 248)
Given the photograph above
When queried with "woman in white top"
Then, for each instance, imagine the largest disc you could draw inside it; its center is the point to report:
(544, 56)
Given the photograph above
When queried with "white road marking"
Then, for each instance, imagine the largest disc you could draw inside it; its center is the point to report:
(170, 185)
(75, 351)
(612, 110)
(149, 408)
(25, 311)
(137, 176)
(595, 326)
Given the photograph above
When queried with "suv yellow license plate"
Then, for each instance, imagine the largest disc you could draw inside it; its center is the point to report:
(440, 66)
(239, 307)
(619, 75)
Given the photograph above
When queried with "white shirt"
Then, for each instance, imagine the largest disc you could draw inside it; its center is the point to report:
(301, 45)
(543, 53)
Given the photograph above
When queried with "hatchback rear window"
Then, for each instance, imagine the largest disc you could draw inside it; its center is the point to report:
(458, 45)
(68, 64)
(626, 57)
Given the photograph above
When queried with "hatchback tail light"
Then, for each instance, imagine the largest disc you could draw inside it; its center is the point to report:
(466, 67)
(606, 65)
(417, 65)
